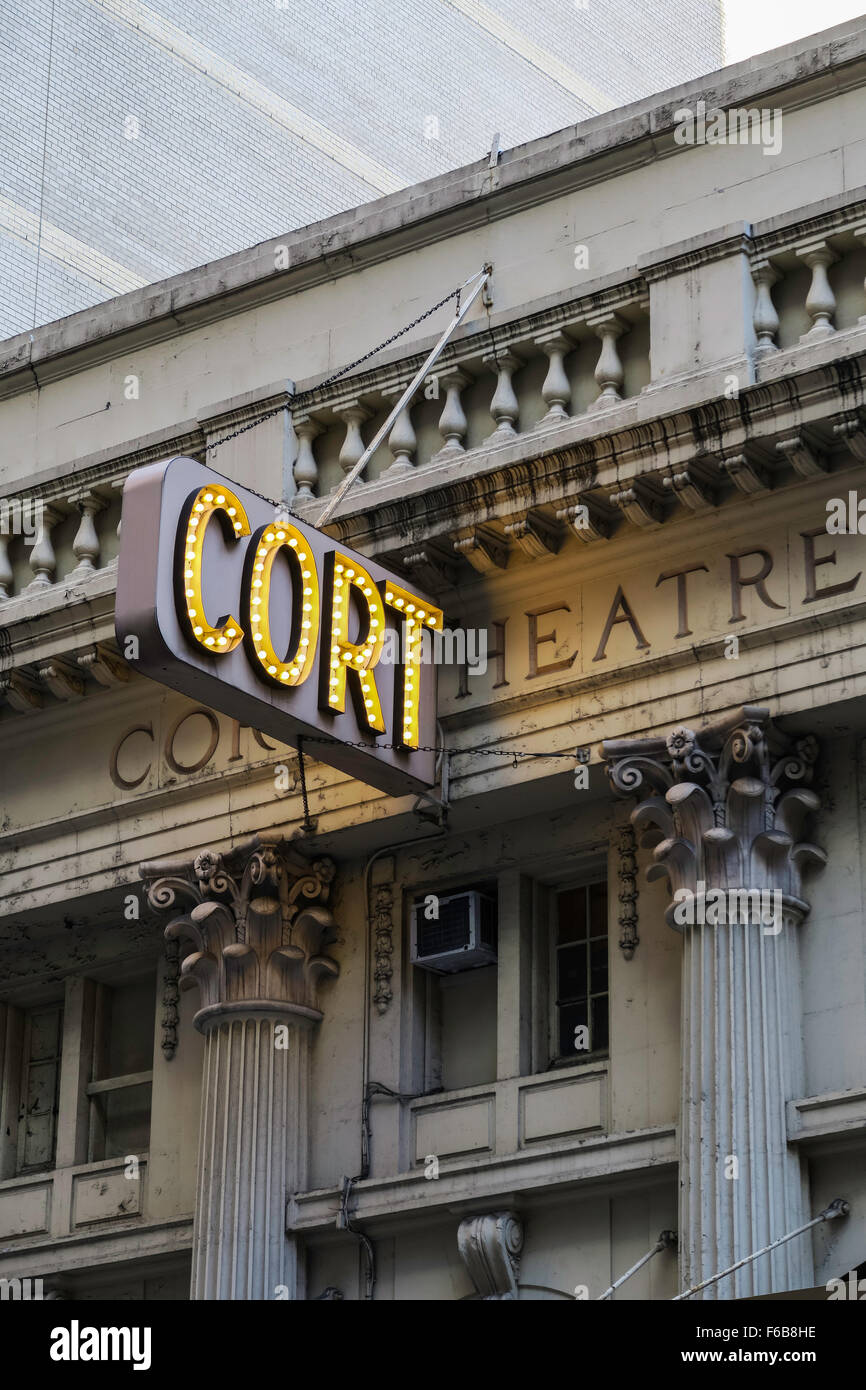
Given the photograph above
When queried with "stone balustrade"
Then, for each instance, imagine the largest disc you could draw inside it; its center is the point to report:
(809, 284)
(65, 539)
(499, 384)
(489, 388)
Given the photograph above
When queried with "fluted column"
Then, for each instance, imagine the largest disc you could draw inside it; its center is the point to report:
(258, 928)
(723, 810)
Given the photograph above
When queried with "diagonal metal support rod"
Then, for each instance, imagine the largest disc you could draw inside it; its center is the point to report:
(482, 276)
(838, 1207)
(667, 1241)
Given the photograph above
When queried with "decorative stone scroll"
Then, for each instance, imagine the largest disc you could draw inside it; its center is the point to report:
(490, 1247)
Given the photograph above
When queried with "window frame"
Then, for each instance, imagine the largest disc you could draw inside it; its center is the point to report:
(22, 1169)
(597, 877)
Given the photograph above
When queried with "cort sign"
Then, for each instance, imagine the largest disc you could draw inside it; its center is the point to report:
(274, 624)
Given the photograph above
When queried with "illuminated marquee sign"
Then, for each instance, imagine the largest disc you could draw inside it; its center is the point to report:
(275, 624)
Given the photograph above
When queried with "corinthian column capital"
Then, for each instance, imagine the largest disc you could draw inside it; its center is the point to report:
(258, 923)
(726, 806)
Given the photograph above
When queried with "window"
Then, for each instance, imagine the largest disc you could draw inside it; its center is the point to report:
(454, 934)
(40, 1088)
(580, 972)
(120, 1086)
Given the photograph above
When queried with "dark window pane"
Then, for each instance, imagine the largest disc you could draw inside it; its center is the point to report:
(40, 1086)
(598, 1036)
(571, 916)
(571, 1016)
(571, 983)
(598, 967)
(127, 1120)
(598, 909)
(45, 1034)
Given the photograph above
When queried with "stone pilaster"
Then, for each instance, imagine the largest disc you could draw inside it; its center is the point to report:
(258, 927)
(724, 810)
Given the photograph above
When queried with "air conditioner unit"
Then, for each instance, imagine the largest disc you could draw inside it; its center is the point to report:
(461, 937)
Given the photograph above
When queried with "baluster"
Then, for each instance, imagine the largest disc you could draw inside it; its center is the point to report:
(608, 372)
(820, 301)
(42, 558)
(118, 483)
(402, 441)
(452, 421)
(85, 546)
(765, 320)
(860, 234)
(306, 469)
(354, 416)
(6, 575)
(503, 407)
(556, 390)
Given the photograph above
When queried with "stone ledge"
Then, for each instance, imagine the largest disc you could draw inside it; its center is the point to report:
(465, 1183)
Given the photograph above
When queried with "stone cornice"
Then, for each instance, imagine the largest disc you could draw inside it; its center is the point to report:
(671, 462)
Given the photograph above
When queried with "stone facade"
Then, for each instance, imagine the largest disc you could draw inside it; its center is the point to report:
(622, 471)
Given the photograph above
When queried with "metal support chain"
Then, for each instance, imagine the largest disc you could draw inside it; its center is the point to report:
(299, 399)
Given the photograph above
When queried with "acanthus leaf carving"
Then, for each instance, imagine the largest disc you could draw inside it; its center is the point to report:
(257, 921)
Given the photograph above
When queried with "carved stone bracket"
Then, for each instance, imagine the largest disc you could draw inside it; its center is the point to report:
(490, 1247)
(803, 456)
(586, 520)
(639, 506)
(691, 488)
(20, 695)
(104, 665)
(484, 548)
(851, 432)
(535, 534)
(750, 477)
(432, 565)
(61, 680)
